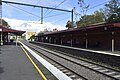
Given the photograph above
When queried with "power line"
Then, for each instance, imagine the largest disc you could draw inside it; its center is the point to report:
(54, 15)
(98, 5)
(48, 9)
(61, 3)
(24, 11)
(36, 15)
(35, 4)
(56, 7)
(42, 7)
(61, 19)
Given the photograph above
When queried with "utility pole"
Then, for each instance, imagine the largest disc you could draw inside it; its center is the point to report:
(1, 41)
(42, 7)
(0, 12)
(41, 15)
(72, 15)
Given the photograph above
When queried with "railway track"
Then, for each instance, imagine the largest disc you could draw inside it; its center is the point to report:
(73, 75)
(75, 68)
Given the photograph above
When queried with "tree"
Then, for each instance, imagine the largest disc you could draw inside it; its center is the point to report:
(32, 37)
(99, 17)
(40, 33)
(86, 20)
(112, 11)
(70, 24)
(4, 23)
(83, 6)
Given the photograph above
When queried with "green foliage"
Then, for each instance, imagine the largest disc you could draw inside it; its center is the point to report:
(40, 33)
(112, 11)
(70, 24)
(4, 23)
(32, 37)
(86, 20)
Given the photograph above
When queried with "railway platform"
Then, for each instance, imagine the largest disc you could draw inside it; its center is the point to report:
(15, 65)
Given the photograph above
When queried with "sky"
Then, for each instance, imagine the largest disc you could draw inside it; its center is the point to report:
(28, 18)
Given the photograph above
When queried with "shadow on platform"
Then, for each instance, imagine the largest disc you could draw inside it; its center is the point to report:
(11, 43)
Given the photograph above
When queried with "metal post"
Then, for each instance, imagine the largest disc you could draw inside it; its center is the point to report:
(86, 44)
(41, 8)
(1, 12)
(61, 41)
(54, 41)
(71, 41)
(72, 15)
(49, 39)
(16, 40)
(113, 42)
(1, 41)
(41, 15)
(0, 2)
(86, 41)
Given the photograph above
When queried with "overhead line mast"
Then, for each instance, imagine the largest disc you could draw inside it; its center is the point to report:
(42, 7)
(1, 12)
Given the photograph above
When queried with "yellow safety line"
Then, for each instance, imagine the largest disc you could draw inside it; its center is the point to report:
(39, 71)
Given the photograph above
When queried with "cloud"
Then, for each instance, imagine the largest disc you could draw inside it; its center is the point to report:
(15, 16)
(32, 25)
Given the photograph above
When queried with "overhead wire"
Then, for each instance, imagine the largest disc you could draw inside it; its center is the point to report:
(36, 4)
(95, 6)
(61, 19)
(48, 9)
(52, 10)
(54, 15)
(34, 14)
(98, 5)
(56, 7)
(24, 11)
(89, 8)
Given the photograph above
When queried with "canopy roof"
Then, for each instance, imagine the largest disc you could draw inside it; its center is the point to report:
(8, 30)
(94, 26)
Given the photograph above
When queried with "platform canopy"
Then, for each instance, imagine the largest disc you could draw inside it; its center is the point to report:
(8, 30)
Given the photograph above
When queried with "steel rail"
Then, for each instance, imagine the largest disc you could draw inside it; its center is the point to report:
(86, 66)
(34, 48)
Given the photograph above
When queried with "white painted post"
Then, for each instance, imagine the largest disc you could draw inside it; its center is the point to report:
(86, 42)
(1, 41)
(16, 40)
(113, 42)
(71, 42)
(86, 46)
(49, 39)
(54, 41)
(61, 41)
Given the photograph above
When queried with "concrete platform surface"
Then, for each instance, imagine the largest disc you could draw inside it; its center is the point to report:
(14, 64)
